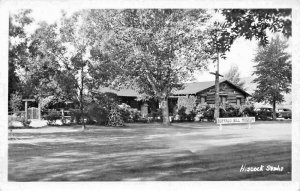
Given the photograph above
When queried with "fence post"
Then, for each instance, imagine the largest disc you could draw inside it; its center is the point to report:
(26, 111)
(39, 111)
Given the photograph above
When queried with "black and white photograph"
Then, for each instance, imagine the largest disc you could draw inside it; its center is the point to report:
(150, 94)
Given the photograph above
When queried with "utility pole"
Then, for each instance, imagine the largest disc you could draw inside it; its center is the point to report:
(217, 89)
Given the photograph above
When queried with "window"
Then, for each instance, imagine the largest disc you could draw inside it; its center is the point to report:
(223, 99)
(202, 99)
(238, 101)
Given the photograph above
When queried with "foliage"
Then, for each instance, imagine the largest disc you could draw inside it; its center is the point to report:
(129, 114)
(248, 110)
(274, 73)
(253, 23)
(158, 49)
(18, 55)
(184, 115)
(15, 101)
(157, 115)
(96, 113)
(187, 102)
(75, 115)
(233, 75)
(52, 116)
(25, 123)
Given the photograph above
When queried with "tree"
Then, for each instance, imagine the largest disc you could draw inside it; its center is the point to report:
(83, 34)
(17, 48)
(248, 23)
(159, 49)
(253, 23)
(233, 75)
(274, 73)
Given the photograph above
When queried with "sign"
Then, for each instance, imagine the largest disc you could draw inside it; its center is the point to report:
(28, 99)
(248, 120)
(235, 120)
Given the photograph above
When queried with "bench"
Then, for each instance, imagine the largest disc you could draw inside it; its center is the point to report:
(232, 120)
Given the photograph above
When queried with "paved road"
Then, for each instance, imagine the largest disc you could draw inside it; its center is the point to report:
(185, 151)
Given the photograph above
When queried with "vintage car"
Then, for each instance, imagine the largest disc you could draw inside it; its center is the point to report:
(284, 113)
(264, 113)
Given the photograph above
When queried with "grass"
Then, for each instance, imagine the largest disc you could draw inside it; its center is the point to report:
(184, 151)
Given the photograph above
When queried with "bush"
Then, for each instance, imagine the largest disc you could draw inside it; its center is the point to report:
(15, 102)
(129, 114)
(209, 114)
(191, 116)
(75, 115)
(248, 110)
(52, 117)
(25, 123)
(182, 113)
(156, 114)
(96, 114)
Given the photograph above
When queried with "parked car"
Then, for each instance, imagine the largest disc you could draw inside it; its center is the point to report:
(285, 113)
(264, 113)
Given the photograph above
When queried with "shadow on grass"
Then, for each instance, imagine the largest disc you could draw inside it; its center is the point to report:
(84, 162)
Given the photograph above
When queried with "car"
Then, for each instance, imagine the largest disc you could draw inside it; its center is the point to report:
(285, 113)
(264, 113)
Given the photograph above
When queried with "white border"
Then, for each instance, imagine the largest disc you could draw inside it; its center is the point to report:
(5, 6)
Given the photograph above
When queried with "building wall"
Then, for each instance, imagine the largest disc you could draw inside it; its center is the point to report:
(230, 93)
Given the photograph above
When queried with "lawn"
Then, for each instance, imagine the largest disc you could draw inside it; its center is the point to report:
(184, 151)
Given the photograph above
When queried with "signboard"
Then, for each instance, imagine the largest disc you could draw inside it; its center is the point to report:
(28, 99)
(235, 120)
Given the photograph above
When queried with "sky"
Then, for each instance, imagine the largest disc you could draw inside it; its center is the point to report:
(241, 54)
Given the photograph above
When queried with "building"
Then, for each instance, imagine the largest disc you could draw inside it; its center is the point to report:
(204, 91)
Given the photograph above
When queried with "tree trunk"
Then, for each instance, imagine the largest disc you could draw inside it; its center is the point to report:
(165, 111)
(217, 89)
(81, 100)
(274, 110)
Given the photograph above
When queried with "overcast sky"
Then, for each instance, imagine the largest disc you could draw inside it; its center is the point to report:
(241, 54)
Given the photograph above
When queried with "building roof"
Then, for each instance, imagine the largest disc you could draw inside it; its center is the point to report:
(195, 87)
(189, 88)
(126, 92)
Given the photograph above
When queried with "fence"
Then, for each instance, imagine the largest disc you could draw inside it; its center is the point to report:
(32, 113)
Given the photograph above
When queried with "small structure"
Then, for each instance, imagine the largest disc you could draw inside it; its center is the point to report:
(26, 107)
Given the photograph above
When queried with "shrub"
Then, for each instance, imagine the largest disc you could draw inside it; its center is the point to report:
(248, 110)
(15, 102)
(75, 115)
(96, 114)
(52, 117)
(187, 102)
(129, 114)
(209, 114)
(25, 123)
(182, 113)
(191, 116)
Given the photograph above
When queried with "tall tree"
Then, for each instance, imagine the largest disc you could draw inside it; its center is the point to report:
(73, 36)
(83, 34)
(274, 73)
(233, 75)
(18, 51)
(158, 49)
(46, 73)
